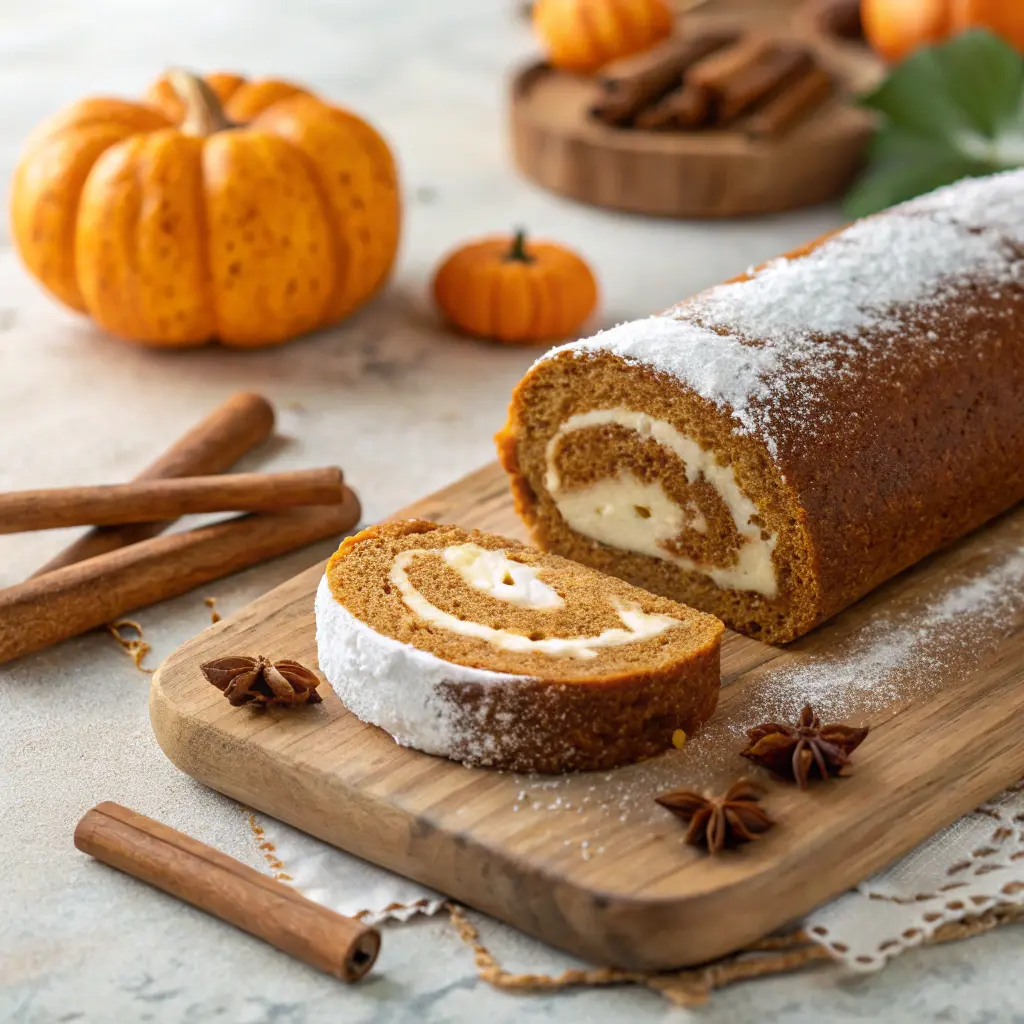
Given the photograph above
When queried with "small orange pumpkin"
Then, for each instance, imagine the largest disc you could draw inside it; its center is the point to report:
(895, 28)
(508, 290)
(584, 35)
(248, 212)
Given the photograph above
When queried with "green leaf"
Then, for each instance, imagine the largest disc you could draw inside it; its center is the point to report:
(882, 187)
(916, 95)
(986, 77)
(948, 112)
(903, 166)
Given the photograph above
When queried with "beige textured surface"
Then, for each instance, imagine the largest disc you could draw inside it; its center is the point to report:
(403, 408)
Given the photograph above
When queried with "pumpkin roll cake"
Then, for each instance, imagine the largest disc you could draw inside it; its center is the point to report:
(776, 447)
(484, 650)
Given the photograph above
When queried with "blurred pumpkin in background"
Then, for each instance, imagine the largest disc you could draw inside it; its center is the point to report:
(584, 35)
(507, 289)
(895, 28)
(244, 211)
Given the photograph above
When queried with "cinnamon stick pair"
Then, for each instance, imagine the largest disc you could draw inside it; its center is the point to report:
(718, 90)
(57, 605)
(761, 70)
(115, 569)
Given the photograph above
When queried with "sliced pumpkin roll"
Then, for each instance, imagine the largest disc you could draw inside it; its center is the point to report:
(774, 448)
(478, 648)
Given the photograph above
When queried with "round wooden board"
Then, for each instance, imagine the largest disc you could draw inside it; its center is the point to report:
(705, 173)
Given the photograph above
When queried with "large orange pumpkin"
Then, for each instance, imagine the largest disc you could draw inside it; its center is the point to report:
(895, 28)
(248, 212)
(584, 35)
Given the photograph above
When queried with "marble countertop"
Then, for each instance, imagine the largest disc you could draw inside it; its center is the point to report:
(405, 408)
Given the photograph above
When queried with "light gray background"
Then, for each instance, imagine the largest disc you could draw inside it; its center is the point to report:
(404, 408)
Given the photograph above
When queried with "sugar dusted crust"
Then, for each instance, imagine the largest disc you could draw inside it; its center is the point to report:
(569, 387)
(460, 697)
(864, 393)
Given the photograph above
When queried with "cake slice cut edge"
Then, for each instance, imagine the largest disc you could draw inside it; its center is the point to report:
(479, 648)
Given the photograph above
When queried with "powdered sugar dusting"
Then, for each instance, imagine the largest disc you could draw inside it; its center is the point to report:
(718, 367)
(993, 203)
(769, 350)
(397, 686)
(888, 658)
(856, 282)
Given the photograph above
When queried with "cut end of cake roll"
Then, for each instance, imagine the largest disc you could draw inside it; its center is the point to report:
(620, 467)
(774, 448)
(477, 648)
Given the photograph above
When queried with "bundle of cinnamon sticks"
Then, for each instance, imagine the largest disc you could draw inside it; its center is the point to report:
(123, 563)
(757, 85)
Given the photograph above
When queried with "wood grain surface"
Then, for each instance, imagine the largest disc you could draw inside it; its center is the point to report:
(696, 174)
(588, 862)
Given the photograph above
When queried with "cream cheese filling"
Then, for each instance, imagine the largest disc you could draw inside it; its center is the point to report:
(500, 577)
(625, 512)
(639, 625)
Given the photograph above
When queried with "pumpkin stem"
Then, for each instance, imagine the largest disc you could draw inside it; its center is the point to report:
(204, 113)
(518, 250)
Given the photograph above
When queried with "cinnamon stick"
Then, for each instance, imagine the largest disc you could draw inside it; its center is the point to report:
(212, 446)
(148, 500)
(633, 83)
(226, 888)
(791, 105)
(839, 18)
(47, 609)
(770, 71)
(716, 71)
(684, 108)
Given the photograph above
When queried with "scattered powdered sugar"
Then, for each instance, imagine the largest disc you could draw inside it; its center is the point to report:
(768, 349)
(895, 658)
(889, 658)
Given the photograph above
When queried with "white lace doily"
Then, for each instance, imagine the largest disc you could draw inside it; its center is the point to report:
(334, 879)
(964, 870)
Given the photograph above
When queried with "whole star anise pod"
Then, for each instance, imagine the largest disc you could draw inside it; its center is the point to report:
(796, 751)
(260, 681)
(720, 822)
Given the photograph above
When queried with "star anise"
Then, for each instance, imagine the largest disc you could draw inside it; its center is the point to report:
(797, 751)
(723, 821)
(261, 682)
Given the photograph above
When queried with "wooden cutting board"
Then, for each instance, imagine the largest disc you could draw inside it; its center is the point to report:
(588, 862)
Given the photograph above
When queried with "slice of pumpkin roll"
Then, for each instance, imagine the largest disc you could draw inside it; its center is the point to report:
(481, 649)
